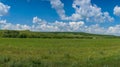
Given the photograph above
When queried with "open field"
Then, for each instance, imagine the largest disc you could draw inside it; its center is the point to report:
(15, 52)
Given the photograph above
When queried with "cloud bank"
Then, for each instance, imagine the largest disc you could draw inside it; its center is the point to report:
(59, 26)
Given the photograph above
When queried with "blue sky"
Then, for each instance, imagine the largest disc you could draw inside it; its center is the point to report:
(92, 16)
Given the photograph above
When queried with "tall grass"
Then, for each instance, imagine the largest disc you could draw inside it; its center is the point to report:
(15, 52)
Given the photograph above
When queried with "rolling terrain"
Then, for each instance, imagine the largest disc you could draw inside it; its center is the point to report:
(56, 35)
(59, 51)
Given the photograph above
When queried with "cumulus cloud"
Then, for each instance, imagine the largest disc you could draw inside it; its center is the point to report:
(84, 10)
(95, 29)
(3, 21)
(36, 20)
(5, 25)
(59, 26)
(114, 30)
(4, 9)
(76, 25)
(58, 6)
(117, 10)
(10, 26)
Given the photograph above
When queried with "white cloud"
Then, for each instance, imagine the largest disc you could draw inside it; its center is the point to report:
(57, 26)
(75, 27)
(62, 27)
(84, 10)
(5, 25)
(4, 9)
(36, 20)
(117, 10)
(89, 12)
(59, 7)
(95, 29)
(10, 26)
(2, 21)
(114, 30)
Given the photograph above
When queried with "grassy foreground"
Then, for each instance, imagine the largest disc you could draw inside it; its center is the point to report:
(15, 52)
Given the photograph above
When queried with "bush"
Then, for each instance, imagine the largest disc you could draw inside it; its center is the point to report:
(10, 34)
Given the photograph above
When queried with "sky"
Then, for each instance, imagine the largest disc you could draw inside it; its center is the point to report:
(91, 16)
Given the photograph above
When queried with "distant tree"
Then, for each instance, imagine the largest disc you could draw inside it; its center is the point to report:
(10, 34)
(23, 35)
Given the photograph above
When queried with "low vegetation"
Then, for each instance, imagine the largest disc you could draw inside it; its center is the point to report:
(57, 35)
(58, 49)
(34, 52)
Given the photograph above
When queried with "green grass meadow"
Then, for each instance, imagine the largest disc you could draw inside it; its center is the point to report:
(33, 52)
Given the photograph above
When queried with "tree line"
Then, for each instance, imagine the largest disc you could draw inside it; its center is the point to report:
(60, 35)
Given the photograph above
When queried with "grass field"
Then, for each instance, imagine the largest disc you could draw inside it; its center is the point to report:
(15, 52)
